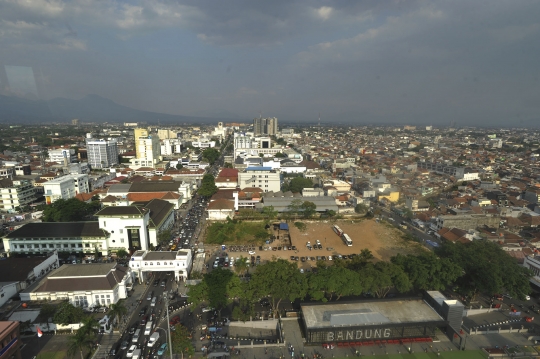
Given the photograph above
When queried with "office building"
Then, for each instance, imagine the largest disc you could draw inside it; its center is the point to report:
(16, 193)
(65, 187)
(102, 153)
(265, 126)
(147, 149)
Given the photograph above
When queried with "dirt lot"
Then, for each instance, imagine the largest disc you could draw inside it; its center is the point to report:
(381, 239)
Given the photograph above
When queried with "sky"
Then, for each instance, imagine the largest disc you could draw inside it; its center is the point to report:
(351, 61)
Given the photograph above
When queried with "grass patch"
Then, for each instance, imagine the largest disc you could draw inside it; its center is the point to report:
(53, 355)
(234, 231)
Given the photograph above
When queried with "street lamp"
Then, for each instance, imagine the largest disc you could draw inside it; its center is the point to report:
(168, 323)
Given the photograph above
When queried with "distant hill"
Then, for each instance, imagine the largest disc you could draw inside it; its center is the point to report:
(91, 108)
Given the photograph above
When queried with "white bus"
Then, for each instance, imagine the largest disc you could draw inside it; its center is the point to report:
(346, 239)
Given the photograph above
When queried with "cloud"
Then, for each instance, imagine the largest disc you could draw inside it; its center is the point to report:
(324, 12)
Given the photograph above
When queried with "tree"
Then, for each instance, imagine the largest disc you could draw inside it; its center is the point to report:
(280, 155)
(89, 324)
(67, 313)
(241, 265)
(181, 341)
(428, 272)
(360, 208)
(301, 226)
(210, 155)
(69, 210)
(179, 166)
(164, 236)
(384, 276)
(208, 186)
(294, 208)
(117, 311)
(216, 288)
(80, 341)
(486, 268)
(279, 279)
(269, 212)
(308, 209)
(47, 312)
(334, 281)
(122, 253)
(407, 213)
(297, 184)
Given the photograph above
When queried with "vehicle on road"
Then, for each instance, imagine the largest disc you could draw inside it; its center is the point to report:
(129, 353)
(162, 349)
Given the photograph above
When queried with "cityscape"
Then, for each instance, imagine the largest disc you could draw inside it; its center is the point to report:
(272, 180)
(268, 240)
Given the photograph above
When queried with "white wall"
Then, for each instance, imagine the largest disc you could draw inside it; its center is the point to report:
(7, 291)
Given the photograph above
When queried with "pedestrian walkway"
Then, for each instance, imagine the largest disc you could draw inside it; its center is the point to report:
(131, 303)
(105, 342)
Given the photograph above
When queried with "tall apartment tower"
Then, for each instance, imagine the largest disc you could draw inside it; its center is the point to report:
(147, 147)
(265, 126)
(102, 153)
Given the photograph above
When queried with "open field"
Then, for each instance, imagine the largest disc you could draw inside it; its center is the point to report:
(381, 239)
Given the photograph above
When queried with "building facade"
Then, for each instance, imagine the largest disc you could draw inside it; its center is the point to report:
(16, 194)
(10, 340)
(65, 187)
(62, 155)
(83, 285)
(102, 153)
(179, 262)
(265, 126)
(262, 177)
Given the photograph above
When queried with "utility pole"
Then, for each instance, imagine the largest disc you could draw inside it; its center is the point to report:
(169, 324)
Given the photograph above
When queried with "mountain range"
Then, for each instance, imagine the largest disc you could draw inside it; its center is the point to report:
(91, 108)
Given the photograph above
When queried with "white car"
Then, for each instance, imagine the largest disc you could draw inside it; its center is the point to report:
(130, 351)
(207, 309)
(527, 297)
(329, 258)
(251, 252)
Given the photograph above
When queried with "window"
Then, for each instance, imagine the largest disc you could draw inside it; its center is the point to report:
(121, 230)
(157, 263)
(51, 245)
(87, 245)
(97, 299)
(121, 240)
(65, 245)
(72, 245)
(104, 223)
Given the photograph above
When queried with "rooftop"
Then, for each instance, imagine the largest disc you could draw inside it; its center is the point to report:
(369, 313)
(58, 229)
(156, 256)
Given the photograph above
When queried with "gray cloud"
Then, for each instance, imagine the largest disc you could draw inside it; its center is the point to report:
(393, 61)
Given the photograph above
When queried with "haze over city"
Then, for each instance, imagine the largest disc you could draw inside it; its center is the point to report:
(413, 62)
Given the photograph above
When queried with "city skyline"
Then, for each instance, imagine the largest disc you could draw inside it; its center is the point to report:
(473, 63)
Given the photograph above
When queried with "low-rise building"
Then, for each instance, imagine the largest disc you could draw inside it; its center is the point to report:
(65, 187)
(179, 262)
(83, 285)
(10, 338)
(262, 177)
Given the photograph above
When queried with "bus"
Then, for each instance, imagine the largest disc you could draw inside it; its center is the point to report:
(338, 230)
(346, 239)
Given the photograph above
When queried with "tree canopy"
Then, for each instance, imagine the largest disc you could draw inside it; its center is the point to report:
(216, 288)
(297, 184)
(69, 210)
(210, 155)
(181, 341)
(67, 313)
(208, 186)
(486, 268)
(279, 279)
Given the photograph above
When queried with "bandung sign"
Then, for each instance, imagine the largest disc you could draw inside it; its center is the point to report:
(358, 334)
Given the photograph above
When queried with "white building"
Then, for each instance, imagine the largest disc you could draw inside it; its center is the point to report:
(171, 146)
(136, 228)
(84, 285)
(533, 263)
(17, 193)
(65, 187)
(19, 273)
(179, 262)
(102, 153)
(263, 177)
(62, 154)
(203, 144)
(147, 148)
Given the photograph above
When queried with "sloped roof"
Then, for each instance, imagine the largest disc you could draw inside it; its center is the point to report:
(58, 230)
(228, 172)
(159, 209)
(17, 269)
(161, 186)
(120, 210)
(221, 204)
